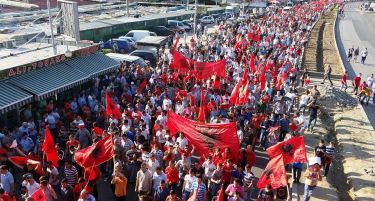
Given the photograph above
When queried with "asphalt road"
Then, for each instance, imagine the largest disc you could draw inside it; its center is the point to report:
(357, 28)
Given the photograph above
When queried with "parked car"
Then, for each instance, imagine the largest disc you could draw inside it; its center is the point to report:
(149, 55)
(130, 41)
(216, 16)
(129, 59)
(118, 45)
(178, 26)
(137, 35)
(188, 23)
(207, 20)
(162, 30)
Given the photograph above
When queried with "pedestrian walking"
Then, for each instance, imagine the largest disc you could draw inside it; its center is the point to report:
(312, 175)
(356, 54)
(327, 75)
(350, 53)
(364, 56)
(344, 84)
(330, 153)
(356, 83)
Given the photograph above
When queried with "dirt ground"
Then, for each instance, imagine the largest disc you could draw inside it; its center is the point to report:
(321, 50)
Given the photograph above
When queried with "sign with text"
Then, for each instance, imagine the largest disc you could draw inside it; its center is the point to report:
(49, 61)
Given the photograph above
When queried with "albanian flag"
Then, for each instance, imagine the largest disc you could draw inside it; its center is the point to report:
(205, 136)
(202, 109)
(142, 86)
(49, 148)
(292, 150)
(95, 154)
(111, 107)
(274, 174)
(22, 161)
(235, 92)
(39, 195)
(220, 197)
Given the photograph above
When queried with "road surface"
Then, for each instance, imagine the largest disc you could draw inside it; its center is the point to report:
(357, 29)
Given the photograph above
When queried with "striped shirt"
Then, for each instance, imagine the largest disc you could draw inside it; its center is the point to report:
(70, 175)
(330, 151)
(201, 190)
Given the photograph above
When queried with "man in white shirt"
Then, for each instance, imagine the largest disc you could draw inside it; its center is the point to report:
(30, 184)
(152, 164)
(302, 123)
(188, 183)
(209, 168)
(303, 102)
(182, 141)
(167, 103)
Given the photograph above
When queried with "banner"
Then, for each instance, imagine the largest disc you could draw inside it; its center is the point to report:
(274, 174)
(204, 70)
(292, 150)
(205, 136)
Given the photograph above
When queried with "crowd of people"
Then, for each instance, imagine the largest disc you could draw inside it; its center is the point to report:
(148, 159)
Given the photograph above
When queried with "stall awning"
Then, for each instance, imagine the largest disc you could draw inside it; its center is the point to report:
(48, 81)
(94, 65)
(12, 97)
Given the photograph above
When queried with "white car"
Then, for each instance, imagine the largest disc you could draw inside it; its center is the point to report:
(207, 20)
(129, 40)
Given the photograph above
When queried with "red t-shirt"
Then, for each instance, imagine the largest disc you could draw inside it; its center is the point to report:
(227, 173)
(357, 81)
(172, 175)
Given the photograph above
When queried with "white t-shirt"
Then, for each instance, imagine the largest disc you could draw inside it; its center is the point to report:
(157, 178)
(189, 182)
(31, 188)
(152, 165)
(304, 99)
(183, 142)
(209, 168)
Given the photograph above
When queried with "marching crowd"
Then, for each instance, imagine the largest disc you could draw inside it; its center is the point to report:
(157, 164)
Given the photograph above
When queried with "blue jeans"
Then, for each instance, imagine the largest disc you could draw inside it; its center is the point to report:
(308, 192)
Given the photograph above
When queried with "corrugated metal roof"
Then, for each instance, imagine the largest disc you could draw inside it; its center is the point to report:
(12, 97)
(49, 81)
(94, 65)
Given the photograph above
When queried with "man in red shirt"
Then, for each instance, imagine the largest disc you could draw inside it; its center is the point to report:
(343, 81)
(172, 175)
(227, 173)
(356, 83)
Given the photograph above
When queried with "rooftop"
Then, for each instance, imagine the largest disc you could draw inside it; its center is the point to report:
(30, 53)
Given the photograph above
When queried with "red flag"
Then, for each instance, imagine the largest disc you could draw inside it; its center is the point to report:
(235, 92)
(39, 195)
(252, 63)
(292, 150)
(250, 36)
(274, 174)
(202, 109)
(176, 42)
(244, 95)
(49, 148)
(98, 130)
(220, 197)
(95, 154)
(245, 77)
(262, 81)
(22, 161)
(204, 70)
(238, 43)
(111, 107)
(217, 83)
(142, 86)
(91, 174)
(205, 137)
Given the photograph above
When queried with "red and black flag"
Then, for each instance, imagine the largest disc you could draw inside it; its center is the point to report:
(49, 148)
(95, 154)
(39, 195)
(111, 107)
(205, 136)
(274, 174)
(292, 150)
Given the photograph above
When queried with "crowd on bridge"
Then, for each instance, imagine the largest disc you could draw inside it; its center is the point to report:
(259, 90)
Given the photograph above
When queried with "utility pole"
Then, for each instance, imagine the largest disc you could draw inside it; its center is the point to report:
(51, 26)
(187, 5)
(195, 17)
(127, 8)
